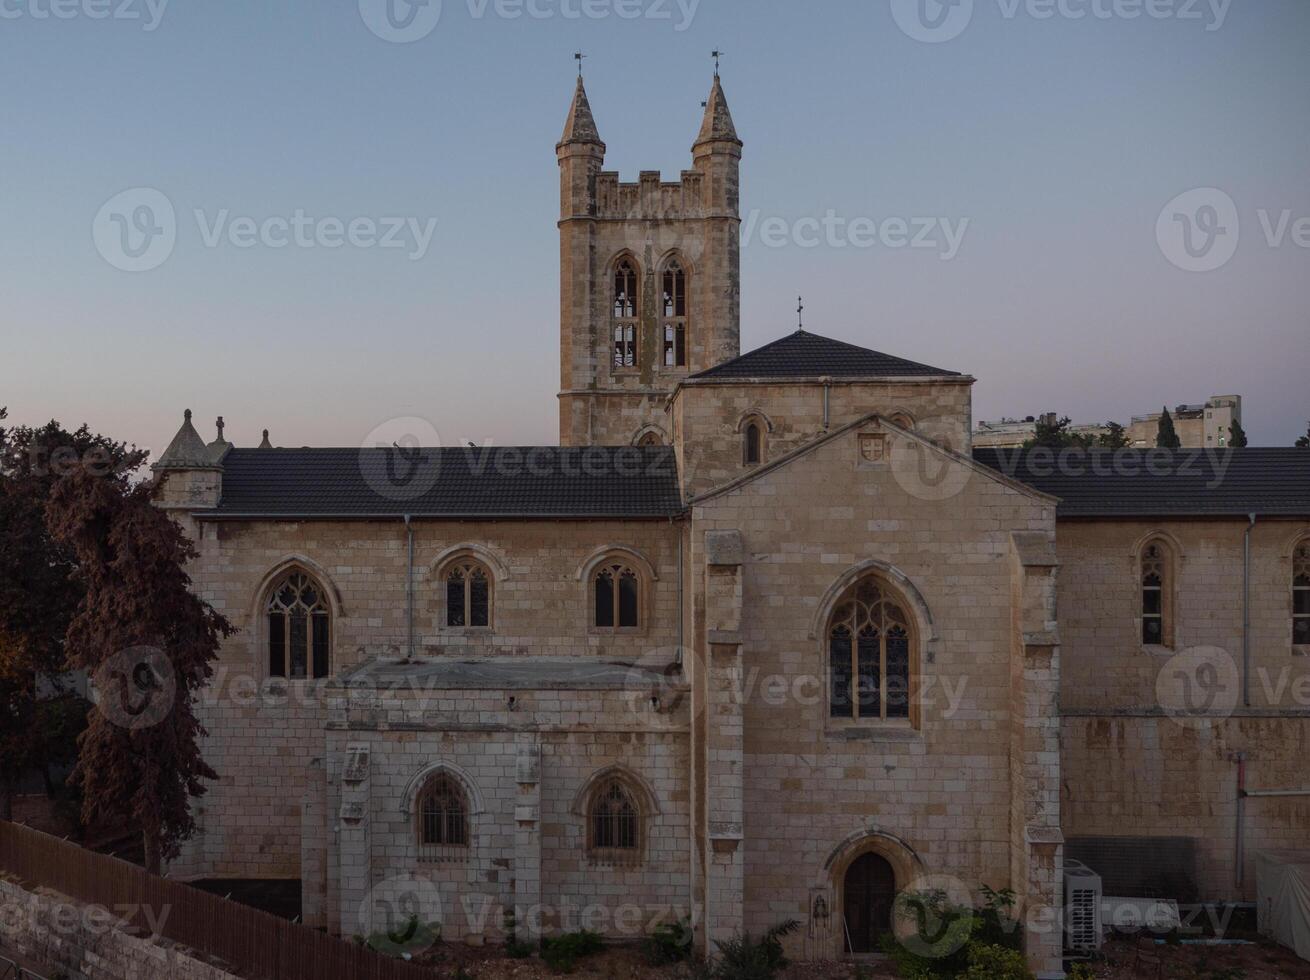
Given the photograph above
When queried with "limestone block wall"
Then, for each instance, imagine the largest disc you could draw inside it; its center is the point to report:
(933, 798)
(85, 942)
(528, 847)
(707, 419)
(263, 734)
(1130, 769)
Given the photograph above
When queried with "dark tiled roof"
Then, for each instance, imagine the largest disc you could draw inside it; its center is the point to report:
(807, 355)
(594, 482)
(1161, 482)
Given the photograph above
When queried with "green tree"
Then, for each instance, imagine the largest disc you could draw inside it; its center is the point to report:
(1055, 433)
(1238, 434)
(1115, 436)
(1304, 441)
(40, 716)
(150, 643)
(1167, 437)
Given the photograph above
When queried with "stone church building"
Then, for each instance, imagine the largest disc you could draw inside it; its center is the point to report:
(762, 639)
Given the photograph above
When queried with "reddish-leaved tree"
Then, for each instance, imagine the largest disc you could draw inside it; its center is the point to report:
(149, 643)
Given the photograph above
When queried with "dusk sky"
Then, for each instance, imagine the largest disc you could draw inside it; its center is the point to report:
(1049, 144)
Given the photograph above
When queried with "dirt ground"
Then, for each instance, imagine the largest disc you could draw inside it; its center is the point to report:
(1120, 962)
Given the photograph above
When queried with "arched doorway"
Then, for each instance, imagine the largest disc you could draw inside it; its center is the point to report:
(867, 894)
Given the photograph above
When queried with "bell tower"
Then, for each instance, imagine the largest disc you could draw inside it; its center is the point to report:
(650, 278)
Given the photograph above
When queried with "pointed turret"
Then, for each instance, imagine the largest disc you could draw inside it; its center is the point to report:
(717, 125)
(580, 127)
(187, 451)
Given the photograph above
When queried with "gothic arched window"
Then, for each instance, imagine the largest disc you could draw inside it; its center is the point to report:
(675, 315)
(625, 314)
(752, 443)
(870, 647)
(443, 818)
(1301, 594)
(299, 629)
(1157, 574)
(617, 592)
(613, 823)
(468, 595)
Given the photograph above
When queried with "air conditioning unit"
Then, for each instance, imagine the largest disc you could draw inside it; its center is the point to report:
(1082, 907)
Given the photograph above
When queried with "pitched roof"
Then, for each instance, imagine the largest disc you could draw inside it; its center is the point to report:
(717, 124)
(808, 355)
(1163, 482)
(628, 482)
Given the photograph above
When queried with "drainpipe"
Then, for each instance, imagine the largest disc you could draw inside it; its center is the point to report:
(827, 405)
(681, 637)
(1246, 614)
(409, 588)
(1241, 815)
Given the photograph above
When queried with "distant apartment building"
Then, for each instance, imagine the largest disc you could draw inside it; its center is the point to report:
(1207, 426)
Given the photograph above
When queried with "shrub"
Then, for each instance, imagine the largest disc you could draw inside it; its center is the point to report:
(515, 948)
(941, 933)
(669, 943)
(742, 958)
(1081, 971)
(562, 953)
(995, 963)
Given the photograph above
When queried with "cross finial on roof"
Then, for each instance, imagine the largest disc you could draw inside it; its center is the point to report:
(800, 312)
(219, 426)
(578, 56)
(717, 55)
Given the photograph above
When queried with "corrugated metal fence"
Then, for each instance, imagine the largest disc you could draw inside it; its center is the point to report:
(255, 943)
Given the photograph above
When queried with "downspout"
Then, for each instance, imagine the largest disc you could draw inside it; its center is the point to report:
(1246, 614)
(827, 405)
(681, 630)
(409, 588)
(1241, 815)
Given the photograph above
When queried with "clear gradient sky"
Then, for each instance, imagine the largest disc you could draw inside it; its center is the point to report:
(1060, 138)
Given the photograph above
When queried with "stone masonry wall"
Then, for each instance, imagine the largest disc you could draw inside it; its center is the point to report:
(933, 798)
(87, 942)
(1130, 769)
(264, 734)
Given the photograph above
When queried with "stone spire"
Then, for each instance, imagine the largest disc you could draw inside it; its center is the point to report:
(581, 125)
(265, 444)
(717, 126)
(187, 451)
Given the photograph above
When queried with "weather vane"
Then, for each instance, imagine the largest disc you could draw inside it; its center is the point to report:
(800, 312)
(578, 56)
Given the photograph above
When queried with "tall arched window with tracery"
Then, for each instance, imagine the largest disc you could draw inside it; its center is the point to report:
(675, 315)
(870, 649)
(1157, 576)
(1301, 594)
(442, 819)
(625, 314)
(616, 591)
(613, 823)
(468, 595)
(299, 629)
